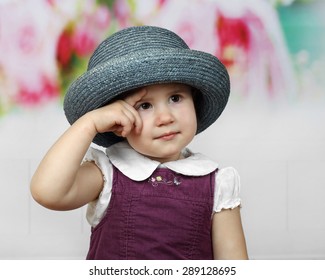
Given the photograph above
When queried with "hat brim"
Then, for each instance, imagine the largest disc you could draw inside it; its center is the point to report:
(105, 82)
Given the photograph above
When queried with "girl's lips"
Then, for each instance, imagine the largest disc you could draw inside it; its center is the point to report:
(168, 136)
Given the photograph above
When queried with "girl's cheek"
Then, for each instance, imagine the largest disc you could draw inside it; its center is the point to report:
(145, 115)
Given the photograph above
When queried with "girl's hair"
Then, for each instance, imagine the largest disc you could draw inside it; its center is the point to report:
(196, 99)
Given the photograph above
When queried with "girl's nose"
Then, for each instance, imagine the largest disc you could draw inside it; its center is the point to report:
(164, 116)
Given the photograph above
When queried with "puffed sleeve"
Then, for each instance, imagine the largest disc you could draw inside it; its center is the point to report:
(227, 189)
(96, 209)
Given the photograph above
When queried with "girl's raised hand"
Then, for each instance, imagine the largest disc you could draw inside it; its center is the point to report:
(120, 116)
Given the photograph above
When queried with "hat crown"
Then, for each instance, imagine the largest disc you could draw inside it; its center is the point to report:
(134, 39)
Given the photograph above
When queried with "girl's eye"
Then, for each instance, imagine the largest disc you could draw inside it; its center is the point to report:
(175, 98)
(144, 106)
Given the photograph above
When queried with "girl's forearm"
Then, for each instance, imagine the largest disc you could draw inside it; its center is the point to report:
(57, 171)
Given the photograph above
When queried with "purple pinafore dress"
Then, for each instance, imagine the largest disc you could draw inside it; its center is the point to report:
(167, 216)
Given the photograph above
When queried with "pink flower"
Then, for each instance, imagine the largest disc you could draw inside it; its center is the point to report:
(232, 33)
(51, 2)
(122, 12)
(89, 30)
(47, 89)
(64, 49)
(28, 41)
(251, 45)
(137, 12)
(40, 39)
(102, 17)
(84, 42)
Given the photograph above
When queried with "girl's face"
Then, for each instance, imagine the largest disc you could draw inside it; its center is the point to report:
(169, 122)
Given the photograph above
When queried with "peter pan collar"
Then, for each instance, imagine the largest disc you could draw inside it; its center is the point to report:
(138, 167)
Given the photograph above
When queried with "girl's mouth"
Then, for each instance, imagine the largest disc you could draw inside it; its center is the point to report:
(168, 136)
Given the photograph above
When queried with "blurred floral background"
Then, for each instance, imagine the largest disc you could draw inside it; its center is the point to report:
(273, 49)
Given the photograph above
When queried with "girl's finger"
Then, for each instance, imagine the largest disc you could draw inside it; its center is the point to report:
(124, 125)
(133, 114)
(135, 97)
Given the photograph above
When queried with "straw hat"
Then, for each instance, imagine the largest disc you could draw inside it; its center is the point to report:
(138, 56)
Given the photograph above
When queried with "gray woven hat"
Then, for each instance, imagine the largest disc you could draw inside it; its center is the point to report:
(138, 56)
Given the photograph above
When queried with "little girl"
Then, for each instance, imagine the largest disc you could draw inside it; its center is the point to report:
(144, 97)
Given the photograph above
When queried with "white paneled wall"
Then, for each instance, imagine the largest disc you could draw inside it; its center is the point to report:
(279, 153)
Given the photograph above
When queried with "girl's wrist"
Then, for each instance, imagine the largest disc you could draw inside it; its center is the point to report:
(87, 125)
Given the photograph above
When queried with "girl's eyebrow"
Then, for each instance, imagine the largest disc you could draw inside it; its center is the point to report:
(179, 90)
(142, 100)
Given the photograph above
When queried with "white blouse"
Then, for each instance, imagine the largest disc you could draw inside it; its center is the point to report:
(138, 167)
